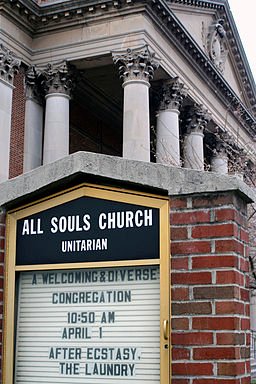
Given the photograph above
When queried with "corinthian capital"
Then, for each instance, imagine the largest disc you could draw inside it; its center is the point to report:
(9, 64)
(198, 118)
(172, 94)
(33, 86)
(57, 78)
(136, 64)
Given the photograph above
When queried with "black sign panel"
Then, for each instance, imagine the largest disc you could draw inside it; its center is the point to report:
(88, 229)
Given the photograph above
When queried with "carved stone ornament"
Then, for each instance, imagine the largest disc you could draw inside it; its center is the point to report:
(172, 94)
(33, 86)
(9, 64)
(136, 64)
(216, 45)
(57, 78)
(197, 118)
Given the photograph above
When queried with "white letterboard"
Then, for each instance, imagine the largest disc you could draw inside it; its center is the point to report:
(90, 326)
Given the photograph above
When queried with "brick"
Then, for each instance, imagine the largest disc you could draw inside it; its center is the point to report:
(212, 231)
(213, 200)
(191, 308)
(225, 338)
(180, 353)
(246, 380)
(178, 203)
(245, 324)
(179, 233)
(245, 352)
(214, 261)
(180, 294)
(226, 292)
(216, 381)
(229, 246)
(228, 307)
(2, 230)
(190, 247)
(192, 338)
(229, 214)
(231, 369)
(228, 277)
(180, 323)
(244, 294)
(216, 353)
(225, 214)
(191, 217)
(216, 323)
(192, 369)
(180, 381)
(191, 278)
(2, 244)
(179, 263)
(244, 264)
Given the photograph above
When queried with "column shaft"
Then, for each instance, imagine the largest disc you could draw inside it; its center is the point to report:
(136, 129)
(167, 139)
(56, 132)
(219, 164)
(194, 151)
(33, 138)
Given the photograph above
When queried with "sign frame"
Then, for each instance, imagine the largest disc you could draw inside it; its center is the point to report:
(100, 192)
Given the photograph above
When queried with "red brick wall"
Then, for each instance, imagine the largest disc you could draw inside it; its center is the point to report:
(210, 296)
(17, 126)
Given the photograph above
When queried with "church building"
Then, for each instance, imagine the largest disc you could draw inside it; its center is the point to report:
(127, 184)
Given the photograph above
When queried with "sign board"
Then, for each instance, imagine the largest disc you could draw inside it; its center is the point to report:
(88, 229)
(88, 289)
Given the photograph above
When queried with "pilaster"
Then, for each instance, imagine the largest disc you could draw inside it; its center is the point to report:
(33, 140)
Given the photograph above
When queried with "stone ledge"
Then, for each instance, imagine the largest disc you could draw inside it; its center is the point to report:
(83, 165)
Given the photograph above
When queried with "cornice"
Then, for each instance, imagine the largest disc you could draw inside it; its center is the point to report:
(66, 14)
(201, 61)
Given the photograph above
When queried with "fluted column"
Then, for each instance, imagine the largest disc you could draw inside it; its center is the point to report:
(9, 65)
(193, 140)
(33, 136)
(136, 69)
(57, 83)
(167, 134)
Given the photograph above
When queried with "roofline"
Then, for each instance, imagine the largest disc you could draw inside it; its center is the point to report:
(37, 15)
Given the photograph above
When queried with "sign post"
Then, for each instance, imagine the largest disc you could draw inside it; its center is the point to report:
(87, 289)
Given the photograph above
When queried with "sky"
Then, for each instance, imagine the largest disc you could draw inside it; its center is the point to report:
(244, 12)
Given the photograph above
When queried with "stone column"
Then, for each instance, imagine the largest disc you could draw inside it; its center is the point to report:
(9, 65)
(136, 69)
(219, 162)
(33, 137)
(57, 83)
(193, 140)
(167, 133)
